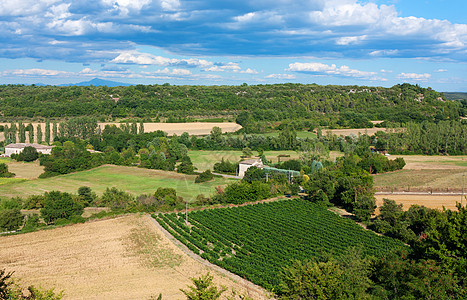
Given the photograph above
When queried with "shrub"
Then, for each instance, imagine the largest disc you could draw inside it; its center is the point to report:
(117, 199)
(10, 219)
(59, 205)
(205, 176)
(28, 154)
(4, 171)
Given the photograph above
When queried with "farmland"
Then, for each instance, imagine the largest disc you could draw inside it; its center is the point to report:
(256, 241)
(131, 179)
(122, 258)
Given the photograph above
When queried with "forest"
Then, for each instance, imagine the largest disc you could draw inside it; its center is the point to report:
(253, 107)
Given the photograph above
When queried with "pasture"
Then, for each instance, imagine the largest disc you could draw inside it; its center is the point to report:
(122, 258)
(130, 179)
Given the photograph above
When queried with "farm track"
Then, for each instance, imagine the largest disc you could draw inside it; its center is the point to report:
(248, 285)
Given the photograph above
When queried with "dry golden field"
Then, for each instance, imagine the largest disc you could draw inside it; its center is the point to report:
(441, 175)
(430, 201)
(122, 258)
(193, 128)
(345, 132)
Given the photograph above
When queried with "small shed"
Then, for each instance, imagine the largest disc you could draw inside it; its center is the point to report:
(19, 147)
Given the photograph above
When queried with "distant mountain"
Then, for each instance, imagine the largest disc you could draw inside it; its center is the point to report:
(455, 95)
(97, 82)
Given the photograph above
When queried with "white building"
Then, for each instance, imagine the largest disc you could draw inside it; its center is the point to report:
(19, 147)
(245, 164)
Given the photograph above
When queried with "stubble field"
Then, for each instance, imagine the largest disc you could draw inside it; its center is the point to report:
(122, 258)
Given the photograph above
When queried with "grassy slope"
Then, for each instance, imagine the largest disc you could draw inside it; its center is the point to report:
(131, 179)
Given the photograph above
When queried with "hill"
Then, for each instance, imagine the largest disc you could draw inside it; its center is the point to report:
(97, 82)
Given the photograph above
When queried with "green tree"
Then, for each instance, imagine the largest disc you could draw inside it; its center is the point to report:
(10, 219)
(186, 166)
(39, 134)
(141, 127)
(28, 154)
(203, 289)
(31, 133)
(4, 171)
(60, 205)
(47, 132)
(86, 195)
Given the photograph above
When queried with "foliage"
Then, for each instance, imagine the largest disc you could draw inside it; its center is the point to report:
(254, 174)
(4, 283)
(4, 171)
(59, 205)
(225, 167)
(203, 289)
(186, 166)
(117, 199)
(86, 195)
(28, 154)
(10, 219)
(257, 241)
(204, 176)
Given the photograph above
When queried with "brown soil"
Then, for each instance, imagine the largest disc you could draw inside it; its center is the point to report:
(122, 258)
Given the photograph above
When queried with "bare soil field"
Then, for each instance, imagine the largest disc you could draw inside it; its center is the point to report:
(430, 201)
(193, 128)
(122, 258)
(356, 131)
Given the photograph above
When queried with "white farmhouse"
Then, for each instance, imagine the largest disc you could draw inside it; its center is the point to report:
(19, 147)
(245, 164)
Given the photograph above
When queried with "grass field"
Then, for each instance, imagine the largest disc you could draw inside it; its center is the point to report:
(122, 258)
(439, 173)
(300, 134)
(203, 159)
(131, 179)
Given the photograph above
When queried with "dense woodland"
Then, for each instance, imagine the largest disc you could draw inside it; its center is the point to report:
(308, 105)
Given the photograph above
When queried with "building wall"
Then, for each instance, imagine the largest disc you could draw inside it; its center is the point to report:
(10, 151)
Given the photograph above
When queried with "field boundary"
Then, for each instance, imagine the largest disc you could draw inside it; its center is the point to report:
(248, 285)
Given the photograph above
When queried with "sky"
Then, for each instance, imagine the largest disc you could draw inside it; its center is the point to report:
(206, 42)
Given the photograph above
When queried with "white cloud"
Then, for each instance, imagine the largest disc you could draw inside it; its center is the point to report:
(347, 40)
(34, 73)
(387, 52)
(249, 71)
(124, 7)
(414, 76)
(441, 70)
(135, 57)
(320, 68)
(281, 76)
(181, 72)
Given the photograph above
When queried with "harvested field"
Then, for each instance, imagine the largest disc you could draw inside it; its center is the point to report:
(131, 179)
(28, 170)
(356, 131)
(430, 201)
(122, 258)
(193, 128)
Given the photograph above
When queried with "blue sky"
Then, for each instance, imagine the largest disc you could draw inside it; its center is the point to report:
(375, 43)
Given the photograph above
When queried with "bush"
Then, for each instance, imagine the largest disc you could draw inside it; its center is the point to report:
(60, 205)
(205, 176)
(225, 167)
(10, 219)
(28, 154)
(4, 171)
(117, 199)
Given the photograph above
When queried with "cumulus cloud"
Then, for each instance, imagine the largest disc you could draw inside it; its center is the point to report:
(135, 57)
(414, 76)
(34, 73)
(324, 69)
(281, 76)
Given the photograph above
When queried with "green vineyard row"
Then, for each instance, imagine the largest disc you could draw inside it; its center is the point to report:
(257, 241)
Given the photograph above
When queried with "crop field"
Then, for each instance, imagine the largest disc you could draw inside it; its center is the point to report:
(131, 179)
(121, 258)
(257, 241)
(356, 131)
(431, 201)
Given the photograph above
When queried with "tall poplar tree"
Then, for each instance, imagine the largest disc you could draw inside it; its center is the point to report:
(39, 134)
(47, 132)
(31, 133)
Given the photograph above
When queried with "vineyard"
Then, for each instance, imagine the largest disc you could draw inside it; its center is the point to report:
(257, 241)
